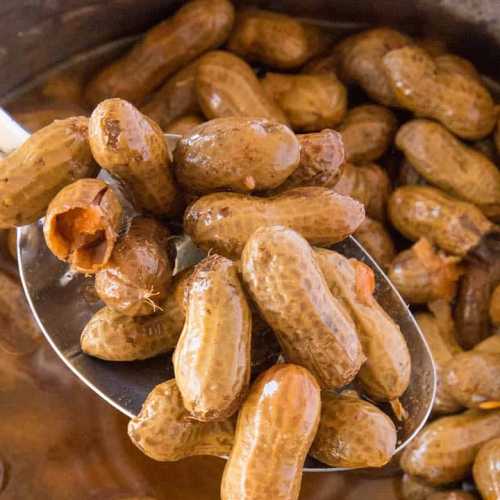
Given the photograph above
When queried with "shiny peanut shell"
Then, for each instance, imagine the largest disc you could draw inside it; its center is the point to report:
(486, 470)
(377, 241)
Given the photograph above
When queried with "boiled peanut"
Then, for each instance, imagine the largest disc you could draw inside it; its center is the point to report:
(82, 223)
(322, 64)
(473, 378)
(224, 221)
(490, 344)
(175, 98)
(164, 431)
(494, 306)
(184, 124)
(371, 442)
(444, 451)
(227, 86)
(368, 184)
(486, 471)
(452, 495)
(451, 63)
(242, 154)
(212, 358)
(453, 225)
(422, 274)
(367, 132)
(277, 40)
(450, 165)
(267, 458)
(360, 60)
(12, 243)
(313, 327)
(376, 241)
(311, 102)
(386, 373)
(139, 272)
(131, 147)
(49, 160)
(198, 26)
(20, 334)
(412, 488)
(444, 92)
(439, 334)
(112, 336)
(471, 312)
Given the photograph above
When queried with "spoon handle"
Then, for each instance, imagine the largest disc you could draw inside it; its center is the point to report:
(12, 135)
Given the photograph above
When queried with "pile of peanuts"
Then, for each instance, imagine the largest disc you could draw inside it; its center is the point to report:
(271, 169)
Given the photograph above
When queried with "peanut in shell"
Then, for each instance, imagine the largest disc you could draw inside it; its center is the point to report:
(486, 471)
(495, 306)
(377, 241)
(184, 124)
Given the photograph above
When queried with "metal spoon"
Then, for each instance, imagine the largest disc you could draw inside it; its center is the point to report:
(59, 300)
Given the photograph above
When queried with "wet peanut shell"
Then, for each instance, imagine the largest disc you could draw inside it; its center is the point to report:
(421, 274)
(444, 451)
(386, 373)
(276, 426)
(227, 86)
(274, 39)
(495, 306)
(236, 153)
(165, 431)
(224, 221)
(175, 98)
(311, 102)
(212, 357)
(314, 328)
(443, 92)
(139, 272)
(360, 60)
(367, 132)
(412, 488)
(453, 225)
(370, 442)
(198, 26)
(486, 471)
(473, 378)
(449, 164)
(82, 223)
(377, 241)
(184, 124)
(112, 336)
(369, 184)
(132, 148)
(322, 64)
(33, 174)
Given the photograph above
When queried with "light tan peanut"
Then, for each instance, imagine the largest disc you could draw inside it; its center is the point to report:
(490, 344)
(198, 26)
(421, 274)
(242, 154)
(486, 471)
(376, 241)
(453, 225)
(386, 373)
(443, 91)
(267, 458)
(452, 495)
(367, 132)
(224, 221)
(112, 336)
(451, 63)
(371, 442)
(321, 161)
(132, 148)
(444, 451)
(20, 334)
(227, 86)
(471, 312)
(494, 306)
(212, 358)
(311, 102)
(49, 160)
(313, 327)
(164, 431)
(277, 40)
(451, 165)
(139, 271)
(184, 124)
(368, 184)
(412, 488)
(82, 224)
(175, 98)
(439, 334)
(473, 378)
(360, 60)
